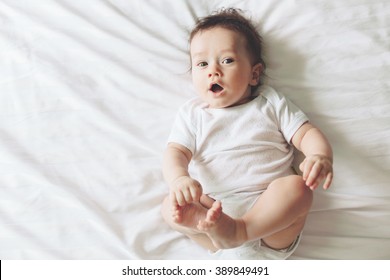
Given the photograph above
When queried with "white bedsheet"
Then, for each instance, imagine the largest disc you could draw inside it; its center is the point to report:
(88, 92)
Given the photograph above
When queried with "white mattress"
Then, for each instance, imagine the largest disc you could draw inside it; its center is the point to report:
(88, 93)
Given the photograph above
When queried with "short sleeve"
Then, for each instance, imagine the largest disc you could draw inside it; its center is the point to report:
(183, 129)
(289, 117)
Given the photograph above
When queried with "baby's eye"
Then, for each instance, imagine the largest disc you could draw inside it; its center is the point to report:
(202, 64)
(227, 61)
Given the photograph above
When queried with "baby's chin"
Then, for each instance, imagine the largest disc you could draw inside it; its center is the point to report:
(221, 104)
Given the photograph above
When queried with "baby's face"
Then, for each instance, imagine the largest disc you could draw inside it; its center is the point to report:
(222, 71)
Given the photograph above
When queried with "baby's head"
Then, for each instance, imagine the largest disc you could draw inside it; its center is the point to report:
(232, 19)
(226, 48)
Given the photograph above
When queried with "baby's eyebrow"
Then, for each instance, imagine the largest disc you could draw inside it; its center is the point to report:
(197, 54)
(230, 50)
(201, 54)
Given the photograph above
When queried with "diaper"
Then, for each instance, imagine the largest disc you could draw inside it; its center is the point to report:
(236, 205)
(255, 250)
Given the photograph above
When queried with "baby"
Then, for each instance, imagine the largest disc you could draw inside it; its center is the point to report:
(232, 147)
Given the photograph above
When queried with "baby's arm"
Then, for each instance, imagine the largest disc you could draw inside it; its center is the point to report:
(318, 163)
(183, 189)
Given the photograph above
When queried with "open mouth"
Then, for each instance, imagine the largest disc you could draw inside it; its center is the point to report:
(216, 88)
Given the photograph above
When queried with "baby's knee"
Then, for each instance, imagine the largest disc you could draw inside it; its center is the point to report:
(295, 187)
(292, 182)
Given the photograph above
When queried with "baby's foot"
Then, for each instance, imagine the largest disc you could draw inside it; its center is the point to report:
(189, 215)
(224, 231)
(177, 215)
(212, 217)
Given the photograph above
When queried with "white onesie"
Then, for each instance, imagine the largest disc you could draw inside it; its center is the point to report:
(237, 152)
(241, 148)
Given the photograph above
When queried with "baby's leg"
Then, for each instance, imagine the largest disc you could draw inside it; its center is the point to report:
(280, 213)
(185, 219)
(224, 231)
(277, 217)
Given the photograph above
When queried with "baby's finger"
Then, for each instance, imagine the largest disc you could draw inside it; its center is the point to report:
(317, 182)
(176, 199)
(172, 198)
(307, 169)
(196, 192)
(328, 181)
(181, 201)
(314, 174)
(187, 195)
(314, 185)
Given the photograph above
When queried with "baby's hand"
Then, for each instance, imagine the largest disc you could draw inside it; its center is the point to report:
(185, 190)
(317, 168)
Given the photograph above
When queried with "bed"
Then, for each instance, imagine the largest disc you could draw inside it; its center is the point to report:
(88, 93)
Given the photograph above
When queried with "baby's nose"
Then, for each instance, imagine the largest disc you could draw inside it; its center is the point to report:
(214, 71)
(213, 74)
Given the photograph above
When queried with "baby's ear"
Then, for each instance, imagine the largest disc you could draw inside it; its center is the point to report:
(257, 70)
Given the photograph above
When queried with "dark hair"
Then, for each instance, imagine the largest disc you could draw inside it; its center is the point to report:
(232, 19)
